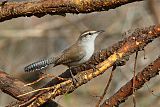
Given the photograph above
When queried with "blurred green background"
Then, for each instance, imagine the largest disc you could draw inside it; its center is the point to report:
(25, 40)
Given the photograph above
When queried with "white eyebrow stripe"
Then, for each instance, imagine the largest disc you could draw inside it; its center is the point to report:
(88, 32)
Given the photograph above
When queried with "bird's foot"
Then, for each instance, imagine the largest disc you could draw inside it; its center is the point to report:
(73, 78)
(94, 68)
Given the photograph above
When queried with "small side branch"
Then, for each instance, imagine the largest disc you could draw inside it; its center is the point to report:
(140, 79)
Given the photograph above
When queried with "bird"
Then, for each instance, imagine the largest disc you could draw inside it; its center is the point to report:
(78, 53)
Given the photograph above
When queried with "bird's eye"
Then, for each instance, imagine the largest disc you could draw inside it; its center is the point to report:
(89, 33)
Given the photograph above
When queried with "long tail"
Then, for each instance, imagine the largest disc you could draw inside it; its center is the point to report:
(39, 65)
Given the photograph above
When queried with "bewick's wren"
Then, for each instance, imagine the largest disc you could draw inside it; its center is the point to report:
(76, 54)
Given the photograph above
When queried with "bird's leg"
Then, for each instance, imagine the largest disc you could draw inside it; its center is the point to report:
(73, 78)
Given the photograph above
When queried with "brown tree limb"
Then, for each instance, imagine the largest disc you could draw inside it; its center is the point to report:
(41, 8)
(135, 42)
(15, 87)
(140, 79)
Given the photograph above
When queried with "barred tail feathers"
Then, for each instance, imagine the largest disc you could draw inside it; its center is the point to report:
(39, 65)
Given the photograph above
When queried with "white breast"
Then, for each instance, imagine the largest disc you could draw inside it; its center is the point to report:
(89, 48)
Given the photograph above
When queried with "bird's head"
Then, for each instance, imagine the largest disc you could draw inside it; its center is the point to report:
(89, 35)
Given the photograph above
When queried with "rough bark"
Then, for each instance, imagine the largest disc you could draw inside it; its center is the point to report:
(39, 8)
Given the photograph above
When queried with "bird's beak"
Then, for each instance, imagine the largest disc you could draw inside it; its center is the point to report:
(100, 31)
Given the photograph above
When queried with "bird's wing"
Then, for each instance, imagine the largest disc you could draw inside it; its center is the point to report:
(72, 54)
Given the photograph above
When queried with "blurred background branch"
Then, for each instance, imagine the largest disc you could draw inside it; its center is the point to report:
(153, 9)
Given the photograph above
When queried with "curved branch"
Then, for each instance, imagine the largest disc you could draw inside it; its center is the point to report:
(41, 8)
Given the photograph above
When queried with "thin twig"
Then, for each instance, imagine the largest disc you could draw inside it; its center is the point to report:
(134, 79)
(48, 88)
(43, 77)
(106, 89)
